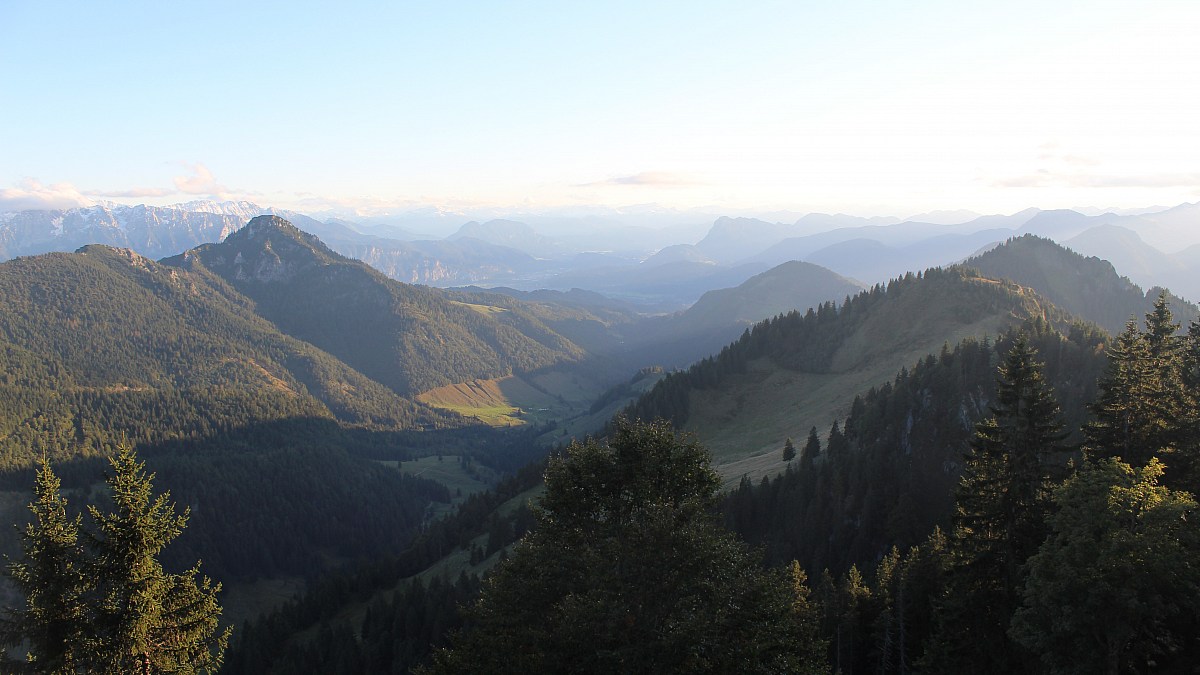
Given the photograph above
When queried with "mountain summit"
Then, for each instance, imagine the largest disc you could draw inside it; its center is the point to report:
(268, 249)
(410, 338)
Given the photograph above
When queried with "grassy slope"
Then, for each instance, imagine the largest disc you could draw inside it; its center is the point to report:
(745, 421)
(556, 396)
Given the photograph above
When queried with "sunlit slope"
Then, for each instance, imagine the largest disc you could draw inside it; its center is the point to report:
(803, 370)
(507, 401)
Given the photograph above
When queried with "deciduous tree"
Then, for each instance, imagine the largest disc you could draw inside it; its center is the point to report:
(627, 571)
(1117, 585)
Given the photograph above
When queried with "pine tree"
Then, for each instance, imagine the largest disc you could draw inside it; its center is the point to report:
(1000, 519)
(54, 584)
(149, 620)
(789, 450)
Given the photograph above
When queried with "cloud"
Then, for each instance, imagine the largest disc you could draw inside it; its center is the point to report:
(32, 194)
(646, 178)
(134, 193)
(201, 182)
(1044, 178)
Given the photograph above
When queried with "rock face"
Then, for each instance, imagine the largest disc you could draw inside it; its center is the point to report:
(154, 232)
(160, 232)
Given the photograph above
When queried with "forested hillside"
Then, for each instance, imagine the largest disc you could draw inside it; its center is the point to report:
(269, 382)
(1087, 287)
(804, 369)
(885, 474)
(292, 460)
(1024, 536)
(103, 343)
(407, 337)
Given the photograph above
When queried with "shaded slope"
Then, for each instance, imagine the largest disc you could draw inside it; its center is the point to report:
(105, 342)
(409, 338)
(719, 316)
(1086, 287)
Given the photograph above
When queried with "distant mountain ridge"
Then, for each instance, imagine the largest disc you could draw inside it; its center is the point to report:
(1087, 287)
(544, 251)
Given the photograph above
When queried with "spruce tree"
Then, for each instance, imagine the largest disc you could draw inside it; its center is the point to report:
(789, 450)
(812, 449)
(1166, 395)
(1148, 402)
(1187, 464)
(148, 620)
(99, 600)
(1120, 417)
(53, 581)
(1001, 504)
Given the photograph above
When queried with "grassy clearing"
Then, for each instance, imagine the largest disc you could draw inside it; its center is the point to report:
(482, 309)
(492, 402)
(587, 422)
(517, 399)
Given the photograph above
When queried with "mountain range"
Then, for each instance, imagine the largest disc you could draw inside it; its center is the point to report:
(640, 264)
(302, 402)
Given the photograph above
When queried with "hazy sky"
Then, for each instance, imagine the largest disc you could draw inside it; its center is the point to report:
(886, 107)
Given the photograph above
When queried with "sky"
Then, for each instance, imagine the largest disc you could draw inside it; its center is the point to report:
(870, 108)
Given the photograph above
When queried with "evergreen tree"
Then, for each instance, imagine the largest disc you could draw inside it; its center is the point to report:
(789, 450)
(628, 572)
(1148, 405)
(148, 620)
(999, 523)
(1187, 463)
(52, 579)
(103, 602)
(812, 448)
(1121, 419)
(1144, 394)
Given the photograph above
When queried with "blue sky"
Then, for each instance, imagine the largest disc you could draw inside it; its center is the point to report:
(863, 107)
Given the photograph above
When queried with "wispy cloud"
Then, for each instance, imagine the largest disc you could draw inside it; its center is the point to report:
(201, 182)
(1046, 178)
(646, 178)
(32, 194)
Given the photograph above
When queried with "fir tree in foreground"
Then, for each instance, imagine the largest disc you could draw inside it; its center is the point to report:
(627, 571)
(1150, 399)
(1002, 504)
(100, 601)
(53, 579)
